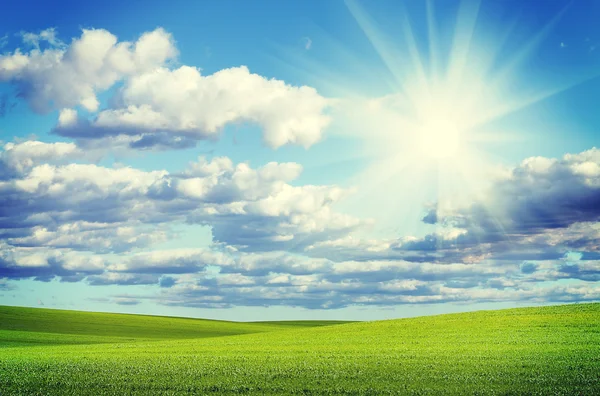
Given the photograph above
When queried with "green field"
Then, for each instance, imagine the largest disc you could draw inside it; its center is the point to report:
(548, 350)
(28, 326)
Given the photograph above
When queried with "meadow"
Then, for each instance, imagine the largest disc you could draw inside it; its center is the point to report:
(542, 350)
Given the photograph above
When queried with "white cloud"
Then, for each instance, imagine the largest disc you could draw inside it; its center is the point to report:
(23, 156)
(157, 106)
(264, 226)
(184, 103)
(91, 207)
(47, 35)
(97, 237)
(67, 118)
(64, 76)
(172, 261)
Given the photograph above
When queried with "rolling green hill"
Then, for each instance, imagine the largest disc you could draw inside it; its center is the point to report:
(19, 325)
(548, 350)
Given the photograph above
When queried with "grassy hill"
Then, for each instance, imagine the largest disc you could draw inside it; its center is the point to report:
(548, 350)
(22, 326)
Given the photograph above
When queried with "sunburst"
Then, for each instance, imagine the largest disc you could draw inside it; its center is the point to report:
(440, 114)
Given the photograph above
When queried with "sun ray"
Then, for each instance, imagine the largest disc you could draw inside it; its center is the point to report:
(415, 57)
(500, 78)
(461, 45)
(441, 111)
(433, 41)
(327, 80)
(378, 41)
(519, 104)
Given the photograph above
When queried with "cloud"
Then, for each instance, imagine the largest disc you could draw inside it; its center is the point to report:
(158, 106)
(275, 241)
(181, 104)
(528, 267)
(44, 265)
(34, 39)
(126, 301)
(541, 204)
(280, 244)
(112, 278)
(537, 195)
(21, 157)
(94, 236)
(172, 261)
(63, 76)
(278, 278)
(87, 207)
(166, 281)
(197, 260)
(119, 300)
(410, 285)
(537, 210)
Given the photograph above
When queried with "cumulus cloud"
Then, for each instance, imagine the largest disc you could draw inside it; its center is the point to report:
(279, 244)
(94, 236)
(64, 76)
(436, 283)
(21, 157)
(537, 210)
(158, 105)
(538, 195)
(275, 242)
(183, 104)
(115, 278)
(278, 278)
(116, 209)
(172, 261)
(44, 265)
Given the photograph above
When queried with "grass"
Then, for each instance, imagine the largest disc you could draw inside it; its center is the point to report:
(548, 350)
(20, 325)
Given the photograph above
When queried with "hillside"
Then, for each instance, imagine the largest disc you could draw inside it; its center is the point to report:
(19, 325)
(547, 350)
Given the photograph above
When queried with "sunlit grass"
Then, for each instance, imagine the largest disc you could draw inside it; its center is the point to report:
(549, 350)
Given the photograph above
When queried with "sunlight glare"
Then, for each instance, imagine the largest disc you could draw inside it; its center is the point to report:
(439, 139)
(434, 130)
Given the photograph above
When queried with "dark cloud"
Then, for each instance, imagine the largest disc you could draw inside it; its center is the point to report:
(166, 281)
(528, 267)
(538, 195)
(539, 210)
(431, 216)
(109, 278)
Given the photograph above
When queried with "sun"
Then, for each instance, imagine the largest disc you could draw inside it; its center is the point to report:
(439, 130)
(427, 129)
(440, 138)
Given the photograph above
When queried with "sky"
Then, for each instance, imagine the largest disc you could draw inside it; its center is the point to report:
(299, 160)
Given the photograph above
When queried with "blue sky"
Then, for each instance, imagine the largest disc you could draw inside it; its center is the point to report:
(246, 160)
